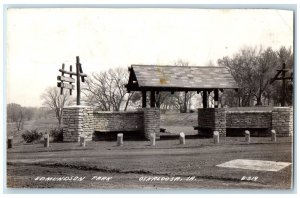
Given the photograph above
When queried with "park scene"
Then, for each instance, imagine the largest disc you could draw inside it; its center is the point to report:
(171, 122)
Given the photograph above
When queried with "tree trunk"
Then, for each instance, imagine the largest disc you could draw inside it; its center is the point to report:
(185, 103)
(259, 103)
(59, 122)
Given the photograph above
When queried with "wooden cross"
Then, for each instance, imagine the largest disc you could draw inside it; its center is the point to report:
(283, 78)
(66, 82)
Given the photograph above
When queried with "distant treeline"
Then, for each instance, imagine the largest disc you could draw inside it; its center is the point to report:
(18, 114)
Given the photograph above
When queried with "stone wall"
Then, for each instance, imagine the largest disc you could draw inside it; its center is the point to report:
(77, 121)
(206, 118)
(82, 121)
(151, 122)
(248, 119)
(282, 121)
(261, 122)
(220, 121)
(106, 121)
(212, 119)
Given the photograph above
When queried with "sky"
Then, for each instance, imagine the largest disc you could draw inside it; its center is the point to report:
(39, 40)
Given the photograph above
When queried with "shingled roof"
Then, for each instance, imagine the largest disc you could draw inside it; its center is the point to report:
(179, 78)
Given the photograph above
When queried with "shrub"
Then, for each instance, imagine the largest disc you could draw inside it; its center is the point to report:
(57, 134)
(31, 135)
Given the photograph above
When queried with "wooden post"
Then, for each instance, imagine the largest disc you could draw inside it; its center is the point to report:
(283, 86)
(204, 99)
(152, 139)
(120, 139)
(10, 142)
(273, 135)
(62, 73)
(181, 138)
(283, 78)
(247, 136)
(152, 99)
(70, 77)
(78, 79)
(216, 137)
(144, 99)
(46, 140)
(82, 141)
(157, 101)
(216, 98)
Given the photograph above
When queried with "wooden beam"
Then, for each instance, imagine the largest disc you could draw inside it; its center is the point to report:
(78, 80)
(280, 70)
(62, 73)
(273, 79)
(283, 101)
(72, 78)
(204, 99)
(66, 79)
(286, 78)
(152, 99)
(81, 72)
(216, 98)
(144, 97)
(65, 86)
(73, 73)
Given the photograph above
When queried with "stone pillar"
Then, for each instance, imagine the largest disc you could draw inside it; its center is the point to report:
(216, 137)
(220, 121)
(151, 122)
(46, 140)
(152, 139)
(282, 121)
(78, 121)
(273, 135)
(181, 138)
(120, 139)
(82, 142)
(247, 136)
(212, 119)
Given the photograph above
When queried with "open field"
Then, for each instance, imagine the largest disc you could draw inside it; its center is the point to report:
(179, 122)
(43, 125)
(136, 159)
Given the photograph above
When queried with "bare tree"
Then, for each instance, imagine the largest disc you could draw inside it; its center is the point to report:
(54, 100)
(241, 67)
(15, 114)
(263, 73)
(252, 69)
(133, 100)
(106, 90)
